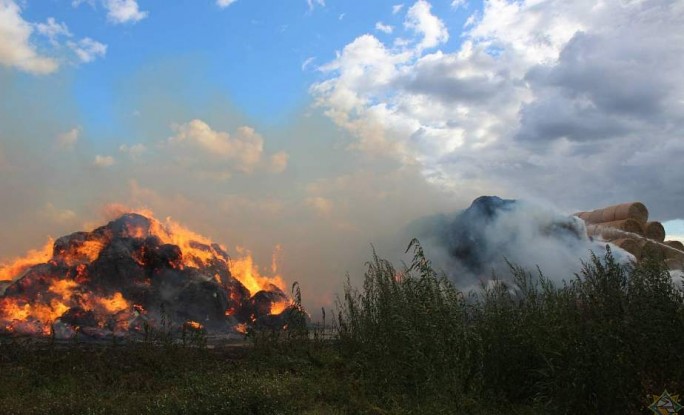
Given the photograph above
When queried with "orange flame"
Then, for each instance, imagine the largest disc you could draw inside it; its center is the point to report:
(17, 266)
(279, 307)
(20, 315)
(241, 328)
(247, 273)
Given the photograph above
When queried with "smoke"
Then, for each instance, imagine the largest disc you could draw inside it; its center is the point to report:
(481, 241)
(324, 207)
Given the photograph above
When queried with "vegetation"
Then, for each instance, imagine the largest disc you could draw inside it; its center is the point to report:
(406, 342)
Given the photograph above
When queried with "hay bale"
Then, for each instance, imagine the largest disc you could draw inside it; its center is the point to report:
(651, 249)
(675, 244)
(634, 210)
(674, 264)
(671, 252)
(582, 215)
(608, 231)
(655, 231)
(604, 232)
(626, 225)
(628, 244)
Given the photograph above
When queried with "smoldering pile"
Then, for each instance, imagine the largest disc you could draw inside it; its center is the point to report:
(626, 225)
(480, 242)
(134, 274)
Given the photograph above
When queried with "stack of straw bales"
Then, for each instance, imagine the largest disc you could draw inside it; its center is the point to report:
(626, 225)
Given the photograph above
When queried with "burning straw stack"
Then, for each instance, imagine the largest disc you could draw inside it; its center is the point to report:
(627, 226)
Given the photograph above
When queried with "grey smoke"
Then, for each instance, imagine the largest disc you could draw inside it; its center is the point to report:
(473, 245)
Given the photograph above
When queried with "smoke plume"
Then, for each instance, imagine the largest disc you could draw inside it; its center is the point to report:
(483, 240)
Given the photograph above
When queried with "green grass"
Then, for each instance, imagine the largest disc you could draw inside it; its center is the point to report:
(601, 343)
(406, 342)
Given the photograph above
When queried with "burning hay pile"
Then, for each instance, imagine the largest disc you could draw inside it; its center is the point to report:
(627, 226)
(132, 275)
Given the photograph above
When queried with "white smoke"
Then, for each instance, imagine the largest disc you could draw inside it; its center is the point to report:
(482, 242)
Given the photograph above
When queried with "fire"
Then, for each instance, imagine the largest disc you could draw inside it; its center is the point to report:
(133, 272)
(10, 271)
(279, 307)
(193, 325)
(113, 304)
(247, 272)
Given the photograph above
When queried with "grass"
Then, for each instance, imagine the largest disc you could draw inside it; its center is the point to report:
(406, 342)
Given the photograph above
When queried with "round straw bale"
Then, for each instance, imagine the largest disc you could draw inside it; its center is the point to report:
(655, 231)
(626, 225)
(633, 210)
(628, 244)
(650, 249)
(606, 233)
(671, 252)
(595, 216)
(608, 214)
(674, 263)
(582, 215)
(675, 244)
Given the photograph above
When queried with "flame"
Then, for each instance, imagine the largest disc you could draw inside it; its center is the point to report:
(54, 295)
(17, 266)
(247, 273)
(113, 304)
(241, 328)
(193, 325)
(279, 307)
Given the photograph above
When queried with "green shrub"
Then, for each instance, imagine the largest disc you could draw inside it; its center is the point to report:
(602, 342)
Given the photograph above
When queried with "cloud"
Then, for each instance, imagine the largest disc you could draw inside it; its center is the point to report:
(320, 205)
(134, 151)
(582, 95)
(103, 161)
(455, 4)
(57, 215)
(53, 30)
(397, 8)
(242, 151)
(307, 62)
(420, 19)
(87, 49)
(313, 3)
(383, 27)
(76, 3)
(224, 3)
(16, 50)
(124, 11)
(69, 138)
(278, 162)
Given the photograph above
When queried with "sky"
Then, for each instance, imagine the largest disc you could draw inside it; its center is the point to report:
(325, 126)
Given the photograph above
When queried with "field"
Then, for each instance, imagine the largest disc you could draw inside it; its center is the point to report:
(406, 342)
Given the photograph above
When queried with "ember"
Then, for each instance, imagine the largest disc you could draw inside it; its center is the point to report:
(132, 273)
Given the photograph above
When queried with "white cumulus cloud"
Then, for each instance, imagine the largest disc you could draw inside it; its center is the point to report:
(69, 138)
(224, 3)
(53, 30)
(134, 151)
(384, 28)
(87, 49)
(103, 161)
(124, 11)
(420, 19)
(313, 3)
(16, 49)
(242, 151)
(539, 96)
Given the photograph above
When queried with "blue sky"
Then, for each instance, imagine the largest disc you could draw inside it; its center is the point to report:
(251, 52)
